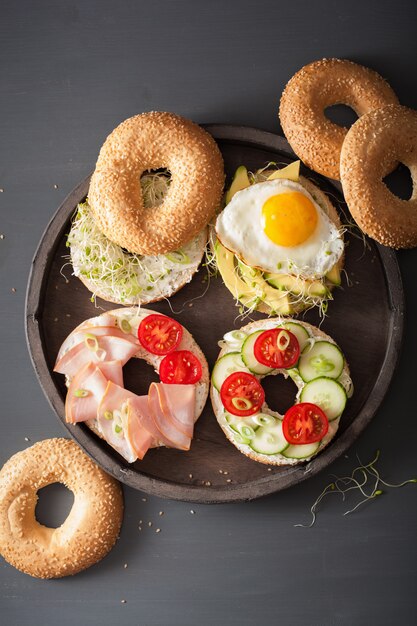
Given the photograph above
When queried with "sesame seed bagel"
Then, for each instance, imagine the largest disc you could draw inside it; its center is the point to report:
(373, 147)
(221, 413)
(321, 84)
(147, 142)
(91, 528)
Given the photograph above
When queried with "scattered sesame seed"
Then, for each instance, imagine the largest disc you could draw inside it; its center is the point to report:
(144, 500)
(55, 319)
(225, 473)
(68, 314)
(161, 513)
(140, 527)
(1, 189)
(208, 483)
(158, 530)
(125, 566)
(27, 439)
(190, 475)
(229, 480)
(140, 521)
(55, 186)
(2, 236)
(269, 469)
(149, 524)
(13, 289)
(220, 471)
(192, 512)
(123, 601)
(190, 305)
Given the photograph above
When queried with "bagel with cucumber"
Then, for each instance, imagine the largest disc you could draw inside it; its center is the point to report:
(278, 242)
(288, 348)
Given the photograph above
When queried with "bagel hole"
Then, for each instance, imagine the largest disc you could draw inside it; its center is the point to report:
(341, 114)
(280, 392)
(54, 505)
(155, 185)
(399, 182)
(138, 375)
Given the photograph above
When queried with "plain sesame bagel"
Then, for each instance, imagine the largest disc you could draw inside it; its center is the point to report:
(373, 147)
(321, 84)
(148, 142)
(91, 528)
(255, 445)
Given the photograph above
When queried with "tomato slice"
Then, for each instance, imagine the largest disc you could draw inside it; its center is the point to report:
(181, 368)
(242, 394)
(277, 348)
(304, 423)
(159, 334)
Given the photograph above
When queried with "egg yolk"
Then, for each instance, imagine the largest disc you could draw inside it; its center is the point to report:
(288, 219)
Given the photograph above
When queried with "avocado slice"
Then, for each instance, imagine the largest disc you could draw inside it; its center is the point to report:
(334, 275)
(296, 285)
(237, 287)
(290, 172)
(240, 181)
(278, 302)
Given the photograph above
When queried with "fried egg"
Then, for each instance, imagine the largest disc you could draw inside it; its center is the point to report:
(277, 227)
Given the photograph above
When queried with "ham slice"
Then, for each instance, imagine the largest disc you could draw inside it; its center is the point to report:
(166, 426)
(84, 394)
(111, 348)
(141, 406)
(138, 436)
(112, 420)
(178, 405)
(112, 370)
(81, 333)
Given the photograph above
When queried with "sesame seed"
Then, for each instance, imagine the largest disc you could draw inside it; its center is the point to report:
(140, 527)
(229, 480)
(125, 566)
(190, 475)
(144, 500)
(1, 189)
(158, 530)
(13, 289)
(27, 439)
(149, 524)
(192, 512)
(123, 601)
(161, 513)
(225, 473)
(2, 236)
(55, 186)
(140, 521)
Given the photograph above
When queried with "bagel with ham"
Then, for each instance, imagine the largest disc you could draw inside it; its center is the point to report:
(92, 359)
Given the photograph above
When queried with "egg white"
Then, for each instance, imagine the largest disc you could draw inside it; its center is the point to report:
(239, 228)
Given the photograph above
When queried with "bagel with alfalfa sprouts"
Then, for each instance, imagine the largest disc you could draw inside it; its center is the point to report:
(278, 243)
(141, 234)
(289, 348)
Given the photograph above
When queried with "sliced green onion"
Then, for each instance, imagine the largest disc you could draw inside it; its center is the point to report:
(81, 393)
(91, 342)
(263, 419)
(178, 256)
(246, 431)
(241, 403)
(125, 326)
(108, 415)
(118, 429)
(283, 340)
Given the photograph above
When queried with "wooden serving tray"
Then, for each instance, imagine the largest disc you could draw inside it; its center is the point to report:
(365, 318)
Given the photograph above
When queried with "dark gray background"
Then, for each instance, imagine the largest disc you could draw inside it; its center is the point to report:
(70, 72)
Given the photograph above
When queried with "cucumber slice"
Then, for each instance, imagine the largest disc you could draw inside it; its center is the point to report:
(269, 440)
(301, 451)
(328, 394)
(322, 359)
(249, 358)
(299, 331)
(226, 365)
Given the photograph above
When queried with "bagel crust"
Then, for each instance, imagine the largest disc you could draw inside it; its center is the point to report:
(91, 528)
(147, 142)
(373, 147)
(321, 84)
